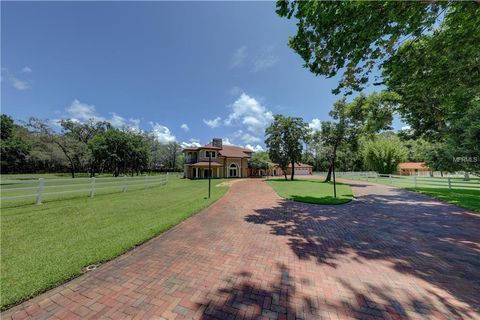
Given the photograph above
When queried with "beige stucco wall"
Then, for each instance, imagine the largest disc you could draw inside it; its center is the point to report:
(223, 172)
(242, 165)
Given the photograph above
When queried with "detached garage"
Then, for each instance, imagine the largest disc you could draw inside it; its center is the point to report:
(301, 169)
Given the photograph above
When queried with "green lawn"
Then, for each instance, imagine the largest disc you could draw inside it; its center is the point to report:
(43, 246)
(311, 191)
(469, 199)
(464, 194)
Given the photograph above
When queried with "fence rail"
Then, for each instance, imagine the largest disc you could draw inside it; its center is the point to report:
(41, 188)
(411, 181)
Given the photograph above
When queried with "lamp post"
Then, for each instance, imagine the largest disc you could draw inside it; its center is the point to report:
(334, 182)
(209, 173)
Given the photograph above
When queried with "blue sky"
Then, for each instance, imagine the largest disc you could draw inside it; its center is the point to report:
(184, 70)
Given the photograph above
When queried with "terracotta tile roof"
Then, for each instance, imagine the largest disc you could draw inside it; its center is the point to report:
(300, 165)
(412, 165)
(297, 165)
(226, 151)
(235, 152)
(205, 164)
(209, 146)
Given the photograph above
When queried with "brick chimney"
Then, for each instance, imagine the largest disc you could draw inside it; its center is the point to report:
(217, 142)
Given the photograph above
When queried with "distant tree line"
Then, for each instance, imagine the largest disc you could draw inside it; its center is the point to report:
(359, 137)
(95, 147)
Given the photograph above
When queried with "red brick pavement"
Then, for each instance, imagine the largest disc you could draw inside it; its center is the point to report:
(390, 254)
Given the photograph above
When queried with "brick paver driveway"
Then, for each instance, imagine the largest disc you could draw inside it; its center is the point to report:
(390, 254)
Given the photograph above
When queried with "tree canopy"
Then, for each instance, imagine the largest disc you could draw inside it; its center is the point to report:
(355, 37)
(364, 116)
(425, 53)
(14, 149)
(285, 138)
(383, 153)
(91, 146)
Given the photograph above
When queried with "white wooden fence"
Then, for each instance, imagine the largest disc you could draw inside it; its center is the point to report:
(40, 188)
(411, 181)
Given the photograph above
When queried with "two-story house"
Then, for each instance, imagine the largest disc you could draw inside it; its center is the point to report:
(227, 161)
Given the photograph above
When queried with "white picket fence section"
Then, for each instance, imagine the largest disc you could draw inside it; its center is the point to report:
(410, 181)
(40, 188)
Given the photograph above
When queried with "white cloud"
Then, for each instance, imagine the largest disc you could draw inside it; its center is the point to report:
(254, 148)
(191, 143)
(26, 69)
(238, 57)
(82, 112)
(120, 122)
(14, 81)
(406, 128)
(117, 121)
(250, 139)
(135, 124)
(185, 127)
(247, 111)
(214, 123)
(227, 142)
(266, 59)
(162, 133)
(19, 84)
(315, 124)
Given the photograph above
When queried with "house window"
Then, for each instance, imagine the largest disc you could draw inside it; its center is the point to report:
(208, 153)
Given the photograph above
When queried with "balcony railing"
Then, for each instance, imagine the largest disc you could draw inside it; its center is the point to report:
(191, 160)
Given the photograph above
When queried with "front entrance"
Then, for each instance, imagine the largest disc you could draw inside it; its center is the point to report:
(233, 170)
(207, 173)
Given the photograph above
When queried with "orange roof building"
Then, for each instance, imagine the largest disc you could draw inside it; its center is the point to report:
(227, 161)
(411, 168)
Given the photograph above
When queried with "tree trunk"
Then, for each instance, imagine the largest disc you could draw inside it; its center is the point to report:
(69, 158)
(293, 171)
(334, 156)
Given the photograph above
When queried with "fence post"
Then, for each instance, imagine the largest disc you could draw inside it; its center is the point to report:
(92, 191)
(415, 182)
(449, 183)
(390, 178)
(124, 183)
(41, 183)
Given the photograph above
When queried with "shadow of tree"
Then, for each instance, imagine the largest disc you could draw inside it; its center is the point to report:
(427, 239)
(250, 300)
(253, 300)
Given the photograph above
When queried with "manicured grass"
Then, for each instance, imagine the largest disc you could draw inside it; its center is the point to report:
(311, 191)
(43, 246)
(469, 199)
(464, 194)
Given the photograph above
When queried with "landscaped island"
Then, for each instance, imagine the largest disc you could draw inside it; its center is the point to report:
(43, 246)
(311, 191)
